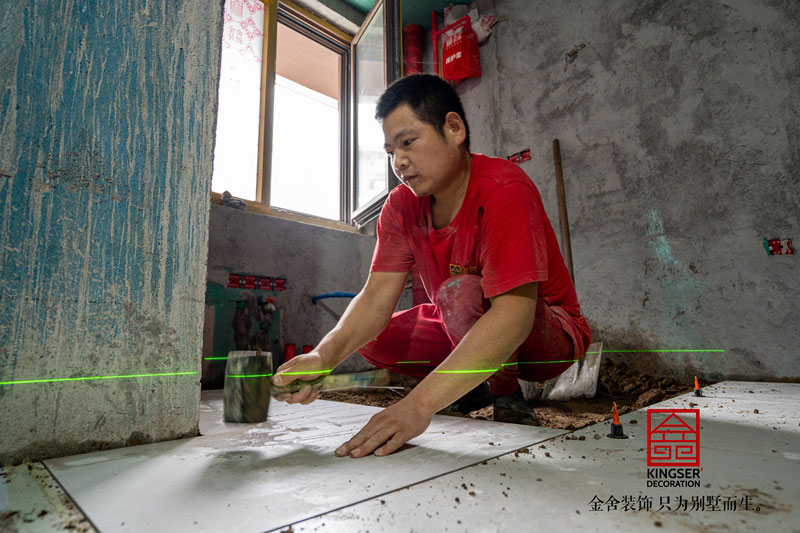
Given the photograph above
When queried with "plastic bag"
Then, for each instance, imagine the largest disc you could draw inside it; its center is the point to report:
(460, 55)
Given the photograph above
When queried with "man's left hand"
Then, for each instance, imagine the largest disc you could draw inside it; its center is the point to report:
(388, 430)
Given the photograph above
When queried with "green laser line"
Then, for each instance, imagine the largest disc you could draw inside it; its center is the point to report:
(222, 358)
(653, 351)
(540, 362)
(88, 378)
(465, 371)
(282, 373)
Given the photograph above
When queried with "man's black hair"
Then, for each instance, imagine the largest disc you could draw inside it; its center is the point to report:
(430, 97)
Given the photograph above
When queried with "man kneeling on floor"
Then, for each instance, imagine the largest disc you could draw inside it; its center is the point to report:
(503, 306)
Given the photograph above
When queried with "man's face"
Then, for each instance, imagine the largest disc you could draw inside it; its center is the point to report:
(422, 158)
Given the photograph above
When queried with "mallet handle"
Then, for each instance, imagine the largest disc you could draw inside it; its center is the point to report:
(566, 246)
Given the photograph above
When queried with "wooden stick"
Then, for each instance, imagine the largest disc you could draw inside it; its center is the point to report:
(566, 246)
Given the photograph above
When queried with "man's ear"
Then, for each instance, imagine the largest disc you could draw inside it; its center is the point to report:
(454, 127)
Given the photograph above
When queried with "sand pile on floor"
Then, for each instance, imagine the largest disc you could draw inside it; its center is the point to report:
(618, 382)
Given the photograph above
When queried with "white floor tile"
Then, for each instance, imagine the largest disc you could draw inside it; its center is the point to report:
(742, 454)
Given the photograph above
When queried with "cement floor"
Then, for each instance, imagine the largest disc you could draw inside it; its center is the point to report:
(462, 475)
(599, 484)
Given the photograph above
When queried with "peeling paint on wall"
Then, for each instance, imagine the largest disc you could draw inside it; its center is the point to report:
(106, 138)
(317, 260)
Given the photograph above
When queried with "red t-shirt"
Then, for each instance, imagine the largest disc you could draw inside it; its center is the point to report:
(501, 233)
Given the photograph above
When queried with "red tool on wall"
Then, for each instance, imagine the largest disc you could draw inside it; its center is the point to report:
(412, 48)
(580, 380)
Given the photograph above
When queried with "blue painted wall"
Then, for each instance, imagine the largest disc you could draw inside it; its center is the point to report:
(107, 114)
(679, 142)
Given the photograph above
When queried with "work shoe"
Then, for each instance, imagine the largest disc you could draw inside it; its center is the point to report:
(475, 399)
(514, 410)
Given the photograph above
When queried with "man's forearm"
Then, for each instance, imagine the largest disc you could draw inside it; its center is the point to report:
(487, 345)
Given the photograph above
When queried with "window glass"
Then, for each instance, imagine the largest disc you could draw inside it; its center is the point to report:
(306, 141)
(236, 148)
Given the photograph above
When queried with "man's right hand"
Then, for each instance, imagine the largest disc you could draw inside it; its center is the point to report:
(312, 366)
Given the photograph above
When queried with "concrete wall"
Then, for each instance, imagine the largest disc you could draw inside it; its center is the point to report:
(679, 138)
(316, 260)
(107, 114)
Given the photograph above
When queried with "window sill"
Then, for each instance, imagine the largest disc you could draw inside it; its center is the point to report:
(255, 207)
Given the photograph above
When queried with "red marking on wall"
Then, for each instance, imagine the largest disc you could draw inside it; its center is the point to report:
(256, 282)
(237, 8)
(778, 246)
(241, 32)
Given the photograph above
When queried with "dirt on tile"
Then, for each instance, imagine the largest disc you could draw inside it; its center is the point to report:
(618, 382)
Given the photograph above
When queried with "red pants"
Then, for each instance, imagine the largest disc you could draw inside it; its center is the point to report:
(417, 340)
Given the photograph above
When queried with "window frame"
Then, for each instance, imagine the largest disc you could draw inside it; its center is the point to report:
(313, 26)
